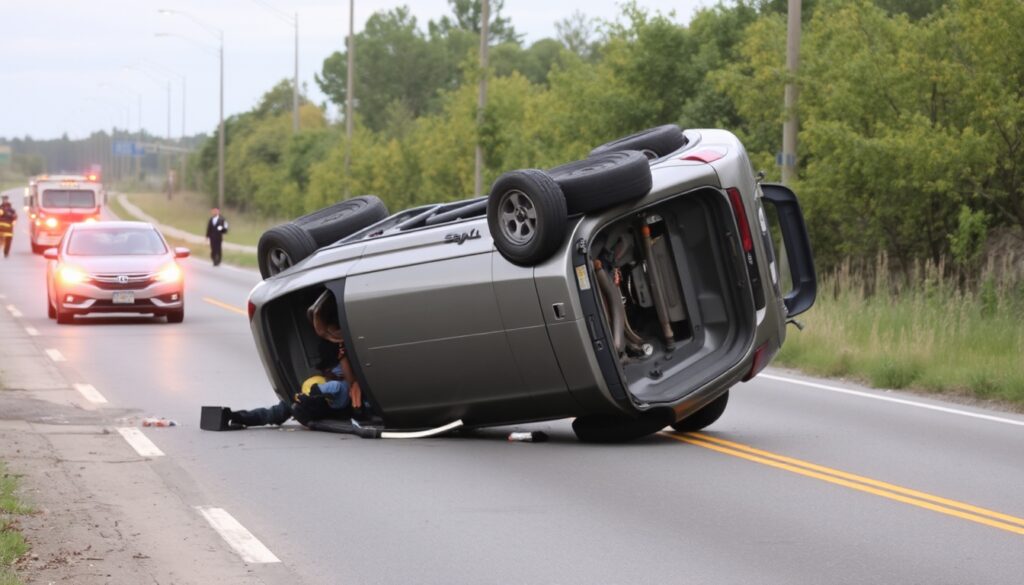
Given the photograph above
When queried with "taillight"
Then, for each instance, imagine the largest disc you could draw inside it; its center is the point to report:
(252, 309)
(741, 218)
(762, 355)
(51, 222)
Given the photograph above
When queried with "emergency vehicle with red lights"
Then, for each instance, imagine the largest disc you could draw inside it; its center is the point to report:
(54, 202)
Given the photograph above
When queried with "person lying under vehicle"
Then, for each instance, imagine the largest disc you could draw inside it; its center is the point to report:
(331, 395)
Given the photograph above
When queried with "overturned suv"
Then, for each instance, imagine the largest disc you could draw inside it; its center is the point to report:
(630, 290)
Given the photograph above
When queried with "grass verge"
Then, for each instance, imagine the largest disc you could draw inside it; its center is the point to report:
(229, 257)
(189, 211)
(12, 545)
(931, 334)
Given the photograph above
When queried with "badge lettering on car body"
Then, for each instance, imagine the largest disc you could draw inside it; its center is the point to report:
(473, 234)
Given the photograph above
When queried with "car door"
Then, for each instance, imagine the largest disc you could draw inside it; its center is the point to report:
(428, 332)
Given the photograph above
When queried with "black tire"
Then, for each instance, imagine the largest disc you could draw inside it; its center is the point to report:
(659, 141)
(282, 247)
(526, 215)
(604, 428)
(176, 316)
(603, 180)
(340, 220)
(703, 417)
(50, 311)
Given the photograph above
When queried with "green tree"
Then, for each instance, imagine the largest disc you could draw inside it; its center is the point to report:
(395, 62)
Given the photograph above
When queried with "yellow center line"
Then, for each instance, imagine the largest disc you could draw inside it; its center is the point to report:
(226, 306)
(859, 483)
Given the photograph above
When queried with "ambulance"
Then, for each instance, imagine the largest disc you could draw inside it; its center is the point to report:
(54, 202)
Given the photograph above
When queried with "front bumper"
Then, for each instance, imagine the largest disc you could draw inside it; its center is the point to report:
(48, 240)
(87, 297)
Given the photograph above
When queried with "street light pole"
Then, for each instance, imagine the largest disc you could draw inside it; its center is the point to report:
(220, 131)
(219, 33)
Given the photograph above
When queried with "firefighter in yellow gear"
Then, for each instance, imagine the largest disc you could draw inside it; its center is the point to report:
(7, 219)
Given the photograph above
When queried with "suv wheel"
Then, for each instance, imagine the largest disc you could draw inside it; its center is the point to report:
(337, 221)
(658, 141)
(703, 417)
(526, 215)
(282, 247)
(603, 180)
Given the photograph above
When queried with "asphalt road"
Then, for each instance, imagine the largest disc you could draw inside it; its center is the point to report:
(795, 484)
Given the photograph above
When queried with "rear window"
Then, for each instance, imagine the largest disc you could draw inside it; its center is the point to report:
(116, 242)
(77, 198)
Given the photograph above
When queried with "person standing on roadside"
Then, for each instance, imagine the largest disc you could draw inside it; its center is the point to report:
(215, 230)
(7, 219)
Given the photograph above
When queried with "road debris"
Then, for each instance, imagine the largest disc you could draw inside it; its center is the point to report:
(152, 421)
(528, 437)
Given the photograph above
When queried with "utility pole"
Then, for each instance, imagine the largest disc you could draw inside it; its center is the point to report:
(789, 128)
(220, 131)
(349, 87)
(481, 101)
(295, 82)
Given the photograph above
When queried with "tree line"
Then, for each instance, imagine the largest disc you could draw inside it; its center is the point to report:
(911, 113)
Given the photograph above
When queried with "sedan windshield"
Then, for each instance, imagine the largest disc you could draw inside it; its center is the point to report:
(116, 242)
(78, 199)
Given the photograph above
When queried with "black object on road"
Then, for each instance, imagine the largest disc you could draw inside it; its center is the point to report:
(216, 418)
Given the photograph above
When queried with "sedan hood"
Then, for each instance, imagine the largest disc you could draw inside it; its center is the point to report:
(119, 264)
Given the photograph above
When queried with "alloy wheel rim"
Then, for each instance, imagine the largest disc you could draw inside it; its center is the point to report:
(518, 217)
(278, 261)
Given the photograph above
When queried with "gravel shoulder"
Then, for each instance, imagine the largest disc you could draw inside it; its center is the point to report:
(103, 514)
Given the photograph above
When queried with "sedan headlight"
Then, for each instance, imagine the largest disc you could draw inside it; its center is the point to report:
(72, 275)
(170, 273)
(51, 222)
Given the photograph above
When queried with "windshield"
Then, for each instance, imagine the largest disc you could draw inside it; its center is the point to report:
(78, 199)
(116, 242)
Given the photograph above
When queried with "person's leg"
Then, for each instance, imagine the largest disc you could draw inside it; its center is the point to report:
(257, 417)
(7, 244)
(215, 245)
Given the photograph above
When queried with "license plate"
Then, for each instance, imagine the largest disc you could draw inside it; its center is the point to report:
(124, 297)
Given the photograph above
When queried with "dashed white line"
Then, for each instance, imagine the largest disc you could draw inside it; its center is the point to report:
(14, 311)
(90, 393)
(55, 355)
(245, 544)
(31, 331)
(141, 443)
(902, 401)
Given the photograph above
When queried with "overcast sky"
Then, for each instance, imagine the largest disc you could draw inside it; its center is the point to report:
(73, 66)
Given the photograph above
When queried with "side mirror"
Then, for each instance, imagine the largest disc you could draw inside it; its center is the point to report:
(182, 253)
(50, 253)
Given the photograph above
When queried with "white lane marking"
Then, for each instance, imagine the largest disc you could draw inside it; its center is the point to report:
(141, 443)
(14, 311)
(55, 355)
(987, 417)
(31, 331)
(245, 544)
(90, 393)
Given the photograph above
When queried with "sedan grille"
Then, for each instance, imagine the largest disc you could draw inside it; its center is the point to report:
(122, 281)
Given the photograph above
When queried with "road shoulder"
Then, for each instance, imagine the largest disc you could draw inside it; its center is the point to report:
(104, 514)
